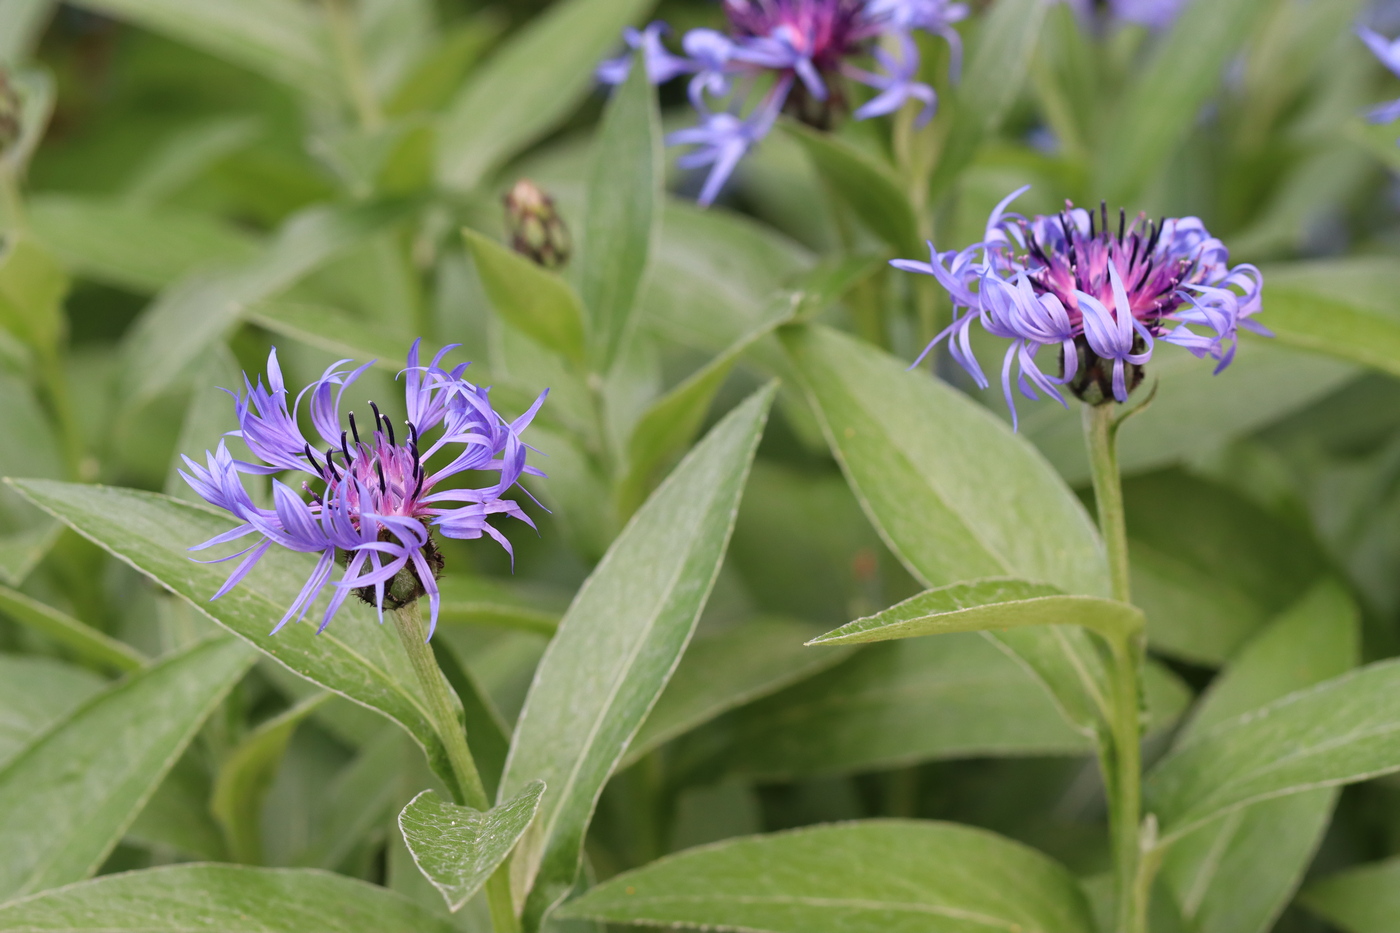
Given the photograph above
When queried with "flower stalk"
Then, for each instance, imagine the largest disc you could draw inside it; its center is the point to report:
(469, 790)
(1120, 751)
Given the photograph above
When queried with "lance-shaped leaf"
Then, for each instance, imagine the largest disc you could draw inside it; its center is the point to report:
(533, 300)
(671, 422)
(727, 669)
(1344, 730)
(870, 187)
(543, 71)
(881, 876)
(1358, 900)
(89, 644)
(66, 799)
(227, 898)
(982, 605)
(1360, 322)
(996, 72)
(458, 848)
(281, 39)
(624, 195)
(35, 692)
(194, 313)
(1165, 98)
(1238, 872)
(958, 496)
(246, 775)
(617, 646)
(356, 657)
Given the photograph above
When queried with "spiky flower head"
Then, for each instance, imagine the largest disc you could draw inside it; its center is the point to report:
(535, 227)
(1096, 291)
(370, 499)
(793, 56)
(1388, 53)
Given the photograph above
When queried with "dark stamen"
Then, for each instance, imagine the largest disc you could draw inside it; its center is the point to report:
(1122, 223)
(345, 449)
(379, 468)
(331, 463)
(354, 430)
(377, 416)
(1103, 215)
(1069, 242)
(1156, 234)
(1093, 230)
(389, 430)
(412, 432)
(314, 462)
(419, 487)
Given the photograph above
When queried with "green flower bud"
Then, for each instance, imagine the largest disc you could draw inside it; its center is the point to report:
(535, 227)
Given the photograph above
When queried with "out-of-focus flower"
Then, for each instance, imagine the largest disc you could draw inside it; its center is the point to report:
(1389, 54)
(378, 501)
(1154, 14)
(1097, 295)
(790, 55)
(535, 227)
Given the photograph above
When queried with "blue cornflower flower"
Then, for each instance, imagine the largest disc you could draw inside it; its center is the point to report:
(378, 504)
(1389, 54)
(806, 47)
(1098, 296)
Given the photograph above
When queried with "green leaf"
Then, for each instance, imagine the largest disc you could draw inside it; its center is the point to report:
(624, 197)
(227, 898)
(1210, 567)
(135, 246)
(22, 23)
(189, 153)
(458, 848)
(885, 876)
(246, 775)
(1194, 409)
(1346, 308)
(32, 289)
(671, 422)
(195, 313)
(478, 601)
(66, 799)
(619, 643)
(89, 644)
(544, 71)
(958, 496)
(1161, 105)
(911, 701)
(280, 39)
(1239, 872)
(331, 329)
(727, 669)
(36, 692)
(987, 604)
(355, 657)
(871, 188)
(714, 274)
(1341, 731)
(532, 299)
(1358, 900)
(997, 67)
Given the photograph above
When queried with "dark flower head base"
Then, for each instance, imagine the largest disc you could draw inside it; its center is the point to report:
(789, 55)
(1096, 289)
(371, 498)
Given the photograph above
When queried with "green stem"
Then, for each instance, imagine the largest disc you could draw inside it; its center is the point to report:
(469, 790)
(1121, 751)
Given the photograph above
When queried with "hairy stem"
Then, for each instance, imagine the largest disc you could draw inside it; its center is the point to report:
(1121, 751)
(469, 790)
